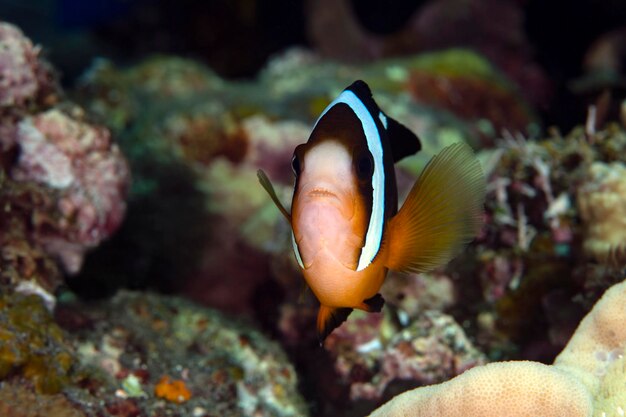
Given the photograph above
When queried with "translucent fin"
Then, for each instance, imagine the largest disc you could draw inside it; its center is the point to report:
(267, 184)
(441, 214)
(328, 319)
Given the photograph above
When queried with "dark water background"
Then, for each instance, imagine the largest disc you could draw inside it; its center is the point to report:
(236, 38)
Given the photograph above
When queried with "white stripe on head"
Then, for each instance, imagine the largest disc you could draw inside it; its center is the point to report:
(374, 234)
(296, 250)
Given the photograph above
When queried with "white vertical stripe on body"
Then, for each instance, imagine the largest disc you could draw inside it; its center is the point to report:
(374, 232)
(296, 250)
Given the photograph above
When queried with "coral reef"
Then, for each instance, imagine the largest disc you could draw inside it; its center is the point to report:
(335, 32)
(63, 180)
(507, 388)
(191, 356)
(581, 382)
(542, 214)
(430, 349)
(87, 174)
(601, 205)
(22, 261)
(25, 79)
(414, 294)
(19, 401)
(125, 356)
(33, 345)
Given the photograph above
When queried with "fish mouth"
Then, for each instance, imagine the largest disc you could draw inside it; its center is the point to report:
(319, 192)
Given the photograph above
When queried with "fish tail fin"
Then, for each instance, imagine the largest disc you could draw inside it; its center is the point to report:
(441, 214)
(267, 185)
(328, 319)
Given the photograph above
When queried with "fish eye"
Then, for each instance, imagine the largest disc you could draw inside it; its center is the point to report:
(295, 164)
(365, 166)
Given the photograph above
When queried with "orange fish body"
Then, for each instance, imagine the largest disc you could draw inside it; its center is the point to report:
(347, 230)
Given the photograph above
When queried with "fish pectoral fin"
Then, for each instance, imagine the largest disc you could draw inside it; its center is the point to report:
(328, 319)
(403, 142)
(374, 304)
(267, 185)
(441, 214)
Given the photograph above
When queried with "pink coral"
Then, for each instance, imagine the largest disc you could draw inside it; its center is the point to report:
(430, 349)
(23, 77)
(25, 80)
(87, 171)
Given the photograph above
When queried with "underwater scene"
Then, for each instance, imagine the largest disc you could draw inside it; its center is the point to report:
(317, 208)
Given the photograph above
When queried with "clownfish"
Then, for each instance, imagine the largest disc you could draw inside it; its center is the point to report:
(347, 231)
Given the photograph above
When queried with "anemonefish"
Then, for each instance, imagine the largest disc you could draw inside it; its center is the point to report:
(347, 231)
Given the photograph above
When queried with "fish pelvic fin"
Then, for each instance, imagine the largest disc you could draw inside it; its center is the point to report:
(373, 304)
(328, 319)
(267, 185)
(442, 213)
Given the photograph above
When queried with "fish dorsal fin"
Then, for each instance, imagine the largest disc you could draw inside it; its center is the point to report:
(403, 142)
(328, 319)
(267, 184)
(361, 89)
(441, 214)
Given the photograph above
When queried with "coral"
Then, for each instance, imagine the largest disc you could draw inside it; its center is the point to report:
(507, 388)
(582, 380)
(530, 258)
(21, 259)
(603, 209)
(24, 78)
(471, 98)
(595, 353)
(413, 294)
(32, 344)
(611, 397)
(87, 172)
(19, 401)
(335, 32)
(174, 348)
(172, 390)
(123, 408)
(371, 355)
(62, 180)
(481, 96)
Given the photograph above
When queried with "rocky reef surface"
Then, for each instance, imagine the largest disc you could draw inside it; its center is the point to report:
(138, 354)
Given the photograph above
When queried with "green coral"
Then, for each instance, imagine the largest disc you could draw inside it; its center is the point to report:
(32, 344)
